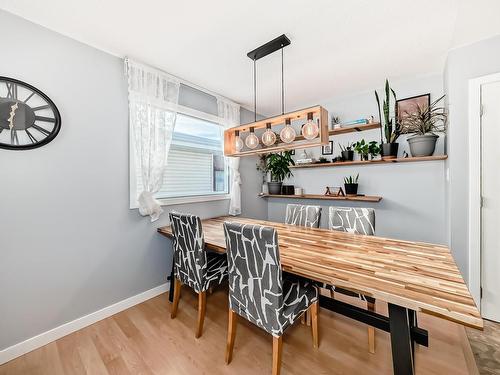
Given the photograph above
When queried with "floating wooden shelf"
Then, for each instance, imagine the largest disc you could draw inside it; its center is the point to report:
(320, 115)
(360, 198)
(367, 162)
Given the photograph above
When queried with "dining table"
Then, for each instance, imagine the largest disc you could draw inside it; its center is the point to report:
(409, 276)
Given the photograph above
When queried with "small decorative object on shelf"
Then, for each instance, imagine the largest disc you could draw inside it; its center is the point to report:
(362, 148)
(347, 152)
(298, 191)
(335, 191)
(392, 127)
(373, 149)
(360, 121)
(287, 189)
(335, 122)
(322, 159)
(310, 130)
(327, 149)
(304, 158)
(423, 121)
(351, 185)
(252, 141)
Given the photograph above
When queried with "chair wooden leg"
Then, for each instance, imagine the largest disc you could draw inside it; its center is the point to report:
(231, 333)
(277, 350)
(177, 296)
(371, 330)
(313, 311)
(303, 318)
(202, 304)
(308, 318)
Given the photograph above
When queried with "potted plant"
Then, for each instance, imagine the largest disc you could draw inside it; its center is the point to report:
(424, 123)
(373, 149)
(363, 149)
(351, 185)
(347, 152)
(392, 127)
(279, 166)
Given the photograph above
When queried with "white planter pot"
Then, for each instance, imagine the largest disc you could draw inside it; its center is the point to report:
(422, 145)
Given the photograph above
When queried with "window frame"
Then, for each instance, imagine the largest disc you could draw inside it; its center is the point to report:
(133, 204)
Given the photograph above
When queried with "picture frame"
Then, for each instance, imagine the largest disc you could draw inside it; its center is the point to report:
(408, 104)
(327, 149)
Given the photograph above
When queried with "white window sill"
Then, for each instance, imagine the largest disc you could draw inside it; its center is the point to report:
(187, 200)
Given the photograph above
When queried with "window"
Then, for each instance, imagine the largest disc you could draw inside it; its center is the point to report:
(196, 165)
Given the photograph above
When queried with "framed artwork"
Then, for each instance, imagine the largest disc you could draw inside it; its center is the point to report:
(408, 105)
(327, 149)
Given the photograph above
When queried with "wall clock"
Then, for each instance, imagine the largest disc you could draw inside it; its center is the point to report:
(28, 118)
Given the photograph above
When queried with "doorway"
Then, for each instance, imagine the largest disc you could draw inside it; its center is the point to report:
(485, 186)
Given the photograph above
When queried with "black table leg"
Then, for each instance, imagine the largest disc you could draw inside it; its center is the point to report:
(171, 291)
(400, 322)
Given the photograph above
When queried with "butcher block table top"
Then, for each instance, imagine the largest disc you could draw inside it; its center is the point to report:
(415, 275)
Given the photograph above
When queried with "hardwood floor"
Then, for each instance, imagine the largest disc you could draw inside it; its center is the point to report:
(144, 340)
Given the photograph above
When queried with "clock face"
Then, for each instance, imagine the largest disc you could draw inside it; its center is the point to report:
(28, 118)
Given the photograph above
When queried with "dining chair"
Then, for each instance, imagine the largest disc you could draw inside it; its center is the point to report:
(193, 266)
(357, 221)
(258, 291)
(303, 215)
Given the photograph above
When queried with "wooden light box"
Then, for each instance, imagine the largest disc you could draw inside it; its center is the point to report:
(297, 118)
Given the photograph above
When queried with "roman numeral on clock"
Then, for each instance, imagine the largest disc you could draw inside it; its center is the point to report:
(31, 137)
(13, 137)
(11, 90)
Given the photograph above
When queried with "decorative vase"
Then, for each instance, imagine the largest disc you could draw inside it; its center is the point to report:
(422, 145)
(265, 188)
(274, 187)
(348, 155)
(351, 189)
(389, 151)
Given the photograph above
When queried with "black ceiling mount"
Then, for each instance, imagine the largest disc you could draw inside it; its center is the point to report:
(269, 47)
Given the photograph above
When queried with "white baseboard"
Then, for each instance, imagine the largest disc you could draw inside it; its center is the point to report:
(44, 338)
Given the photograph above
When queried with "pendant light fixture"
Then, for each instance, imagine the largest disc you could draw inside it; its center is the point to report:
(268, 138)
(288, 134)
(238, 143)
(310, 130)
(252, 141)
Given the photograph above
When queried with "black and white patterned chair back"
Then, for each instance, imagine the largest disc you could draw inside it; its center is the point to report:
(254, 270)
(302, 215)
(190, 258)
(352, 220)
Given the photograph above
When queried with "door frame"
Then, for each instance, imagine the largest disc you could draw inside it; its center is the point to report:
(475, 183)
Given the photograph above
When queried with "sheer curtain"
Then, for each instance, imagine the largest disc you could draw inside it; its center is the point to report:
(153, 98)
(229, 113)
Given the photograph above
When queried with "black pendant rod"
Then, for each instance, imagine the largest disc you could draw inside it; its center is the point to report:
(255, 90)
(282, 85)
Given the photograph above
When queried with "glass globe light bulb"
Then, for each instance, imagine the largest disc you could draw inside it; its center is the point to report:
(268, 138)
(310, 130)
(238, 143)
(251, 140)
(288, 133)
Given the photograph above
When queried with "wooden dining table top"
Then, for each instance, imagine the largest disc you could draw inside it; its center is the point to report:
(415, 275)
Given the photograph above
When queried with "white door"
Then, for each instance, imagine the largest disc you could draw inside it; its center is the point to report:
(490, 211)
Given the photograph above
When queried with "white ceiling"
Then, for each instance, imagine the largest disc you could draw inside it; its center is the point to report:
(338, 46)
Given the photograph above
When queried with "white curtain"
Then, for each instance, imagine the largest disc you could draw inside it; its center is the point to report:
(229, 113)
(153, 99)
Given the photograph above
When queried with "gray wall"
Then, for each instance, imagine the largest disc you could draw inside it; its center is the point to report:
(69, 245)
(463, 64)
(413, 204)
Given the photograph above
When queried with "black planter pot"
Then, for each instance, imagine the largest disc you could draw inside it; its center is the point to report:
(348, 155)
(288, 190)
(274, 187)
(390, 150)
(351, 189)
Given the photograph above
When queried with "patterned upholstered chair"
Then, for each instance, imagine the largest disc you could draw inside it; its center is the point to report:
(193, 265)
(258, 291)
(357, 221)
(302, 215)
